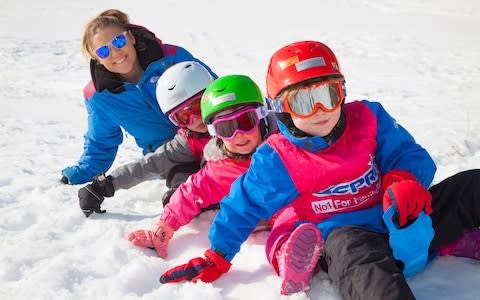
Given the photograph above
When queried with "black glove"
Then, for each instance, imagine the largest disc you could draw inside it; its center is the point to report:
(64, 180)
(91, 196)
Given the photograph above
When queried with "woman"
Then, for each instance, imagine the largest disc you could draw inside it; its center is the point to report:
(181, 87)
(126, 61)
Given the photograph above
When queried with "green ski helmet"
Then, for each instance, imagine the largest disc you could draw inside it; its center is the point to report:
(229, 91)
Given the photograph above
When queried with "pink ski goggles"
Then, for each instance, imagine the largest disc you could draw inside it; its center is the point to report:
(186, 113)
(242, 121)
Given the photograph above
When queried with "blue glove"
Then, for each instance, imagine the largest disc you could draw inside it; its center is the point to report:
(410, 244)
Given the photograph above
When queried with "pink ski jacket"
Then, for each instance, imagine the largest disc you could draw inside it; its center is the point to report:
(204, 188)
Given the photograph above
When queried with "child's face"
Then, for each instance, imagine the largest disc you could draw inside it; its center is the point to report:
(319, 124)
(120, 60)
(242, 143)
(315, 108)
(197, 125)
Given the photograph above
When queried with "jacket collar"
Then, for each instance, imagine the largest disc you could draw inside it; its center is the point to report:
(312, 144)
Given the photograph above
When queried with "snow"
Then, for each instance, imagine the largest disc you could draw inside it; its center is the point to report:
(419, 58)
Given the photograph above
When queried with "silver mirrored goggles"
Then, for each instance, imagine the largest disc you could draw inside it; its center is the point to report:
(305, 102)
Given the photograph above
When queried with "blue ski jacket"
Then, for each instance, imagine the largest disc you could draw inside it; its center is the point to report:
(113, 104)
(328, 185)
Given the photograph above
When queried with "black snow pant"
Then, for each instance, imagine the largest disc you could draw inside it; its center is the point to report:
(178, 175)
(361, 263)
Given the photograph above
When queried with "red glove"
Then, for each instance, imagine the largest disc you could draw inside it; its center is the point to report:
(206, 269)
(410, 197)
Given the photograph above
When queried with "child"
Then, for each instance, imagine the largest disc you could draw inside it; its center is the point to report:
(337, 167)
(180, 87)
(233, 108)
(125, 62)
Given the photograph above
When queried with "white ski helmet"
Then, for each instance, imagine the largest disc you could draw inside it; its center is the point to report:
(181, 82)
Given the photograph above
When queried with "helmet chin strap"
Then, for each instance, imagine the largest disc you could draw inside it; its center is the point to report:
(264, 130)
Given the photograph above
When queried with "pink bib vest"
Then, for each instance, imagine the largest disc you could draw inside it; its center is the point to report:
(340, 178)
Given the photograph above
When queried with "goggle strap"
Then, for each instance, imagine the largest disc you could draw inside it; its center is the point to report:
(262, 112)
(276, 105)
(173, 120)
(211, 130)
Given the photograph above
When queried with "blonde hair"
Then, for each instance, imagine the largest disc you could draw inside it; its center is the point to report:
(110, 17)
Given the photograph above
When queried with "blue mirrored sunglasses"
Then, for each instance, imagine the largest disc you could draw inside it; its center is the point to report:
(118, 42)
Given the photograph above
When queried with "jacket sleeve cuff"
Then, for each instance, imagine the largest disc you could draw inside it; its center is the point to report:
(170, 220)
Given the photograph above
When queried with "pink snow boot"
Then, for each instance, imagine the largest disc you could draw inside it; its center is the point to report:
(297, 258)
(466, 246)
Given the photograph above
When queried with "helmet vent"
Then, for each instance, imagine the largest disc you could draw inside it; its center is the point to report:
(188, 66)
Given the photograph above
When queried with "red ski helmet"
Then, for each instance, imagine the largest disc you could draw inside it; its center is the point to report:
(298, 62)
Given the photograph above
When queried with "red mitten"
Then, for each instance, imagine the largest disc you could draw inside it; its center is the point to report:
(206, 269)
(407, 194)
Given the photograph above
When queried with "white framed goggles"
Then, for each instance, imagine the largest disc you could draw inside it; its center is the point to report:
(305, 101)
(244, 120)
